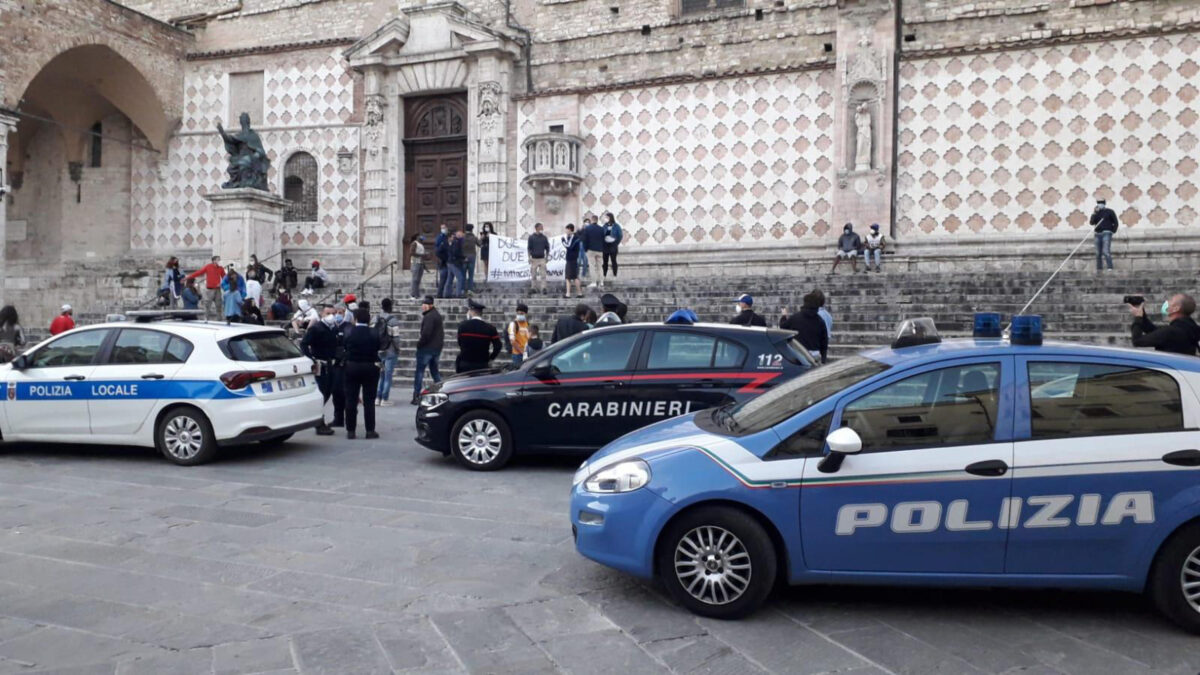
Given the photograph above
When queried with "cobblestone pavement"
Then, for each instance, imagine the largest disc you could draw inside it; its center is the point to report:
(339, 556)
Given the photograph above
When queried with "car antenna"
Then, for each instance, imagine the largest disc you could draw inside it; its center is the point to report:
(1008, 330)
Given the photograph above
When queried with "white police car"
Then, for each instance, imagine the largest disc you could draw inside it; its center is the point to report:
(185, 387)
(971, 462)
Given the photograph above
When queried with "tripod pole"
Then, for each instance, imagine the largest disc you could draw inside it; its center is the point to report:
(1048, 280)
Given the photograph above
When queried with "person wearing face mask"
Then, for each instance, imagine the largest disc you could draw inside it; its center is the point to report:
(573, 246)
(320, 344)
(746, 316)
(478, 341)
(429, 346)
(286, 278)
(517, 334)
(441, 251)
(612, 242)
(362, 372)
(1179, 336)
(316, 280)
(848, 246)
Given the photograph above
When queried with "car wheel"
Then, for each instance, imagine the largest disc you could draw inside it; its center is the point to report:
(185, 437)
(717, 562)
(1175, 580)
(481, 441)
(278, 440)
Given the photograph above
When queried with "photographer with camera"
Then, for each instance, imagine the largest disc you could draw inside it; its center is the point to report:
(1180, 336)
(1104, 224)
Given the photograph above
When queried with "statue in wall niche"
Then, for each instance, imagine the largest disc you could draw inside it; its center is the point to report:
(489, 106)
(248, 162)
(862, 146)
(374, 123)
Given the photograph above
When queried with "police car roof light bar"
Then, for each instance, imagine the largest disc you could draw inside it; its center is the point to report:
(987, 325)
(1026, 330)
(913, 332)
(683, 316)
(150, 315)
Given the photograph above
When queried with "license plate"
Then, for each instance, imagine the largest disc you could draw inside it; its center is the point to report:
(289, 383)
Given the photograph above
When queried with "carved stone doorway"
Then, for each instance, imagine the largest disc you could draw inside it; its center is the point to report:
(435, 165)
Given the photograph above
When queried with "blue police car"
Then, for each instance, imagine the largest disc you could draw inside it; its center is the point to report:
(967, 462)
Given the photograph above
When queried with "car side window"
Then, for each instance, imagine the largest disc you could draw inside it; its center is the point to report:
(680, 350)
(729, 355)
(610, 351)
(949, 406)
(135, 346)
(178, 350)
(74, 349)
(807, 442)
(1094, 399)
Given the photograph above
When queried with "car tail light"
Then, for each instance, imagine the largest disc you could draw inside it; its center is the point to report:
(240, 379)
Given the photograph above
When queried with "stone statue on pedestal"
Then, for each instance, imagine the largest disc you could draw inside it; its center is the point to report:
(248, 163)
(862, 149)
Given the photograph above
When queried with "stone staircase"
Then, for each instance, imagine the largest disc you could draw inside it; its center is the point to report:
(1076, 306)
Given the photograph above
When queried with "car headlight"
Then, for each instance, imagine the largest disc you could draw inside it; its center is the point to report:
(431, 401)
(621, 477)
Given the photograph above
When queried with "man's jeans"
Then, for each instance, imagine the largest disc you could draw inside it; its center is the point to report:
(418, 271)
(454, 276)
(518, 359)
(443, 273)
(385, 377)
(1104, 249)
(426, 358)
(470, 273)
(867, 256)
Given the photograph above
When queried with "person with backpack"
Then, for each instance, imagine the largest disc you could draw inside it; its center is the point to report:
(516, 334)
(612, 242)
(387, 327)
(478, 340)
(12, 336)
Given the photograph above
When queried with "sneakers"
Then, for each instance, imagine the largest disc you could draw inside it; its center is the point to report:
(592, 285)
(371, 435)
(382, 404)
(307, 291)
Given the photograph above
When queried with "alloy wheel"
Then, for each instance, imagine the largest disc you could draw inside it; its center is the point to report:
(712, 565)
(1189, 579)
(479, 441)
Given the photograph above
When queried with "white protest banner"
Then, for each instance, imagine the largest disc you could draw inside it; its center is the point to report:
(508, 259)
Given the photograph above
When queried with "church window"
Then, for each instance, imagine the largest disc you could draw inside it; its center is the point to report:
(246, 95)
(95, 146)
(702, 6)
(300, 188)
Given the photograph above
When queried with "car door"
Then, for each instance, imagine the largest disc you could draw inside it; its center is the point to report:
(137, 373)
(48, 398)
(1105, 448)
(584, 400)
(924, 493)
(687, 371)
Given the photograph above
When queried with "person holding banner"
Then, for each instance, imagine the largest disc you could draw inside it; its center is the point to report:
(485, 251)
(539, 250)
(574, 249)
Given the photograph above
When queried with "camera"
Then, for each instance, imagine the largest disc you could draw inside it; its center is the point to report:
(1135, 300)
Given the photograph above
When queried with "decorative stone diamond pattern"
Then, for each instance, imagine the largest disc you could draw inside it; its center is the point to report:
(1026, 141)
(742, 158)
(312, 90)
(169, 209)
(205, 98)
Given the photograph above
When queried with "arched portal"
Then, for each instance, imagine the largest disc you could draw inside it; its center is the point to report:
(435, 164)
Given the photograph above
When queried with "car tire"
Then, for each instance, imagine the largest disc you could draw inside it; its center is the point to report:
(717, 562)
(481, 441)
(185, 437)
(278, 440)
(1178, 564)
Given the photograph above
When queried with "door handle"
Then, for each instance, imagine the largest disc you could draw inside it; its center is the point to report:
(613, 384)
(991, 467)
(153, 376)
(1183, 458)
(74, 378)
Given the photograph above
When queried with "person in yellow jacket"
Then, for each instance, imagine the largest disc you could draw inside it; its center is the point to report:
(517, 334)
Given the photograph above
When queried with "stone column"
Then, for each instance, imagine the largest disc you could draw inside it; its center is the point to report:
(378, 225)
(247, 222)
(8, 125)
(489, 86)
(864, 128)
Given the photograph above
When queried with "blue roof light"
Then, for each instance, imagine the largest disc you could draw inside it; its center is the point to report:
(1026, 330)
(987, 325)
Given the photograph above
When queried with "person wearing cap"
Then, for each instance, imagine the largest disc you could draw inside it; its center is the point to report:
(478, 340)
(517, 334)
(848, 246)
(416, 263)
(873, 245)
(316, 280)
(429, 346)
(63, 322)
(612, 313)
(362, 373)
(746, 316)
(213, 273)
(1104, 225)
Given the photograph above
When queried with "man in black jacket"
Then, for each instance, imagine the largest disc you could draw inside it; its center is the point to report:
(810, 328)
(746, 316)
(539, 252)
(320, 343)
(571, 325)
(848, 247)
(1104, 222)
(1180, 336)
(478, 340)
(429, 346)
(362, 372)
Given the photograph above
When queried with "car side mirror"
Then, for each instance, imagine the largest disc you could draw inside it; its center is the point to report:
(20, 363)
(543, 371)
(841, 442)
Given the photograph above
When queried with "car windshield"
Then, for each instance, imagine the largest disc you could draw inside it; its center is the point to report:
(803, 392)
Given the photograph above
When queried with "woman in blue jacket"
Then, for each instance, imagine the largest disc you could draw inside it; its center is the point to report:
(612, 240)
(233, 288)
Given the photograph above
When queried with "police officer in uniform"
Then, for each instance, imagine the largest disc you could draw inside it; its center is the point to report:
(320, 344)
(478, 340)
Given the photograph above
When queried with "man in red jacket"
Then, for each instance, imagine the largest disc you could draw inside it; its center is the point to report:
(213, 273)
(63, 322)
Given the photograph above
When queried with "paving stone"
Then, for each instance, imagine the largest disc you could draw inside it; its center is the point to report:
(901, 653)
(54, 647)
(780, 647)
(293, 494)
(345, 650)
(415, 645)
(96, 616)
(609, 652)
(339, 591)
(253, 656)
(642, 614)
(191, 632)
(701, 655)
(189, 662)
(222, 516)
(90, 669)
(489, 641)
(557, 617)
